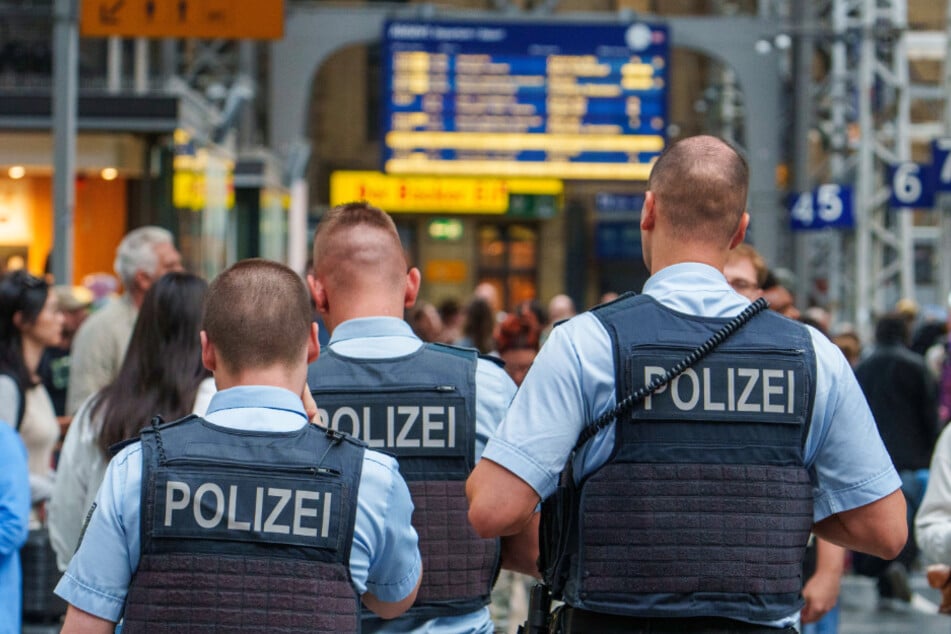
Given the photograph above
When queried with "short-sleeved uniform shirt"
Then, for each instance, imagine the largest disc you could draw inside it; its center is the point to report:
(384, 558)
(571, 384)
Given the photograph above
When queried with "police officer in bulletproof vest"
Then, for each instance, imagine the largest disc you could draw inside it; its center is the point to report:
(251, 518)
(433, 406)
(690, 510)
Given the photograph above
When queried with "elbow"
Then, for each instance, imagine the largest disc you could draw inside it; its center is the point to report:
(485, 524)
(892, 544)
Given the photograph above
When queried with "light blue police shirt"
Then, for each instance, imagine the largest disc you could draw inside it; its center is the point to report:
(384, 558)
(571, 384)
(387, 337)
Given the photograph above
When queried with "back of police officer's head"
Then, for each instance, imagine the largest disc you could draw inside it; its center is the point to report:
(358, 242)
(700, 184)
(258, 315)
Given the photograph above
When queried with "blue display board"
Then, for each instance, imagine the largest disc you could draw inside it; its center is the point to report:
(573, 101)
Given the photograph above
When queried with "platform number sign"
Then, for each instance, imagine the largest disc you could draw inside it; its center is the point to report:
(941, 157)
(828, 205)
(913, 185)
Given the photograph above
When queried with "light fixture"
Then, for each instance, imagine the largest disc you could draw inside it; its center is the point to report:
(17, 171)
(109, 173)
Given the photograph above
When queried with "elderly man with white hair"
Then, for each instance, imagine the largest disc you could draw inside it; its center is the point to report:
(144, 255)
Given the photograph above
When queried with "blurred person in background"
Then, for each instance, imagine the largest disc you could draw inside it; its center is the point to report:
(74, 302)
(450, 311)
(14, 526)
(478, 329)
(518, 341)
(425, 321)
(560, 308)
(162, 374)
(903, 398)
(779, 297)
(30, 322)
(144, 255)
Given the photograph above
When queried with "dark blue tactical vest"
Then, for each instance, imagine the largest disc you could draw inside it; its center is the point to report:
(704, 507)
(245, 531)
(421, 408)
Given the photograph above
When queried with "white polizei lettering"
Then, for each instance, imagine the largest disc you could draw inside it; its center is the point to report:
(371, 442)
(651, 371)
(324, 417)
(258, 507)
(325, 525)
(350, 413)
(390, 425)
(271, 525)
(750, 374)
(770, 390)
(791, 386)
(171, 504)
(301, 511)
(452, 426)
(708, 404)
(215, 490)
(412, 414)
(730, 394)
(681, 404)
(233, 523)
(430, 425)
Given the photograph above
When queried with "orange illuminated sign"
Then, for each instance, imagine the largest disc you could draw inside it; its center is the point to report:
(228, 19)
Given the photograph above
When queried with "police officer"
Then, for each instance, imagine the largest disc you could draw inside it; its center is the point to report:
(692, 511)
(251, 518)
(431, 405)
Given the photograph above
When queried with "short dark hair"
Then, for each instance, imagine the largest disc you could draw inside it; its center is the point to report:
(258, 314)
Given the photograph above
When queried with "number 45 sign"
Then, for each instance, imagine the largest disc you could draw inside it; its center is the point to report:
(828, 205)
(914, 185)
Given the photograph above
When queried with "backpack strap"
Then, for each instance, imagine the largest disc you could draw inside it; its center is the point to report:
(21, 406)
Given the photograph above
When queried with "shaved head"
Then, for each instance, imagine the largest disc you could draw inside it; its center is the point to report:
(357, 245)
(700, 184)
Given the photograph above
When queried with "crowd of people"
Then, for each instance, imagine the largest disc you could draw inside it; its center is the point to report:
(459, 452)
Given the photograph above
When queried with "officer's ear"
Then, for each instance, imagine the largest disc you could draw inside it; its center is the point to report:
(413, 280)
(740, 230)
(313, 343)
(647, 212)
(319, 293)
(208, 357)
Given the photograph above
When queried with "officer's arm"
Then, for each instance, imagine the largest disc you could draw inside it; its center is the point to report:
(520, 551)
(390, 609)
(80, 622)
(500, 502)
(879, 528)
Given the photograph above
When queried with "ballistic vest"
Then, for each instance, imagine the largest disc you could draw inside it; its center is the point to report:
(704, 507)
(421, 408)
(245, 531)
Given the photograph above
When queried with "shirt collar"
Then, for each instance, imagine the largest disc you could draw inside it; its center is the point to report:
(364, 327)
(677, 272)
(265, 396)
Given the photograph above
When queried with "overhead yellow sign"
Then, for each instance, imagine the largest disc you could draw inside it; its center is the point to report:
(228, 19)
(422, 194)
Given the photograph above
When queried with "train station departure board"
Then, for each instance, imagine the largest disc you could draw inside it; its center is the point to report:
(570, 101)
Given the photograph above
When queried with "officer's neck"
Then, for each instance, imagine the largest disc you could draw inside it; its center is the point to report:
(279, 375)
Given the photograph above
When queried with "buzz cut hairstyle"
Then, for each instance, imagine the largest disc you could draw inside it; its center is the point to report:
(702, 184)
(258, 314)
(352, 214)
